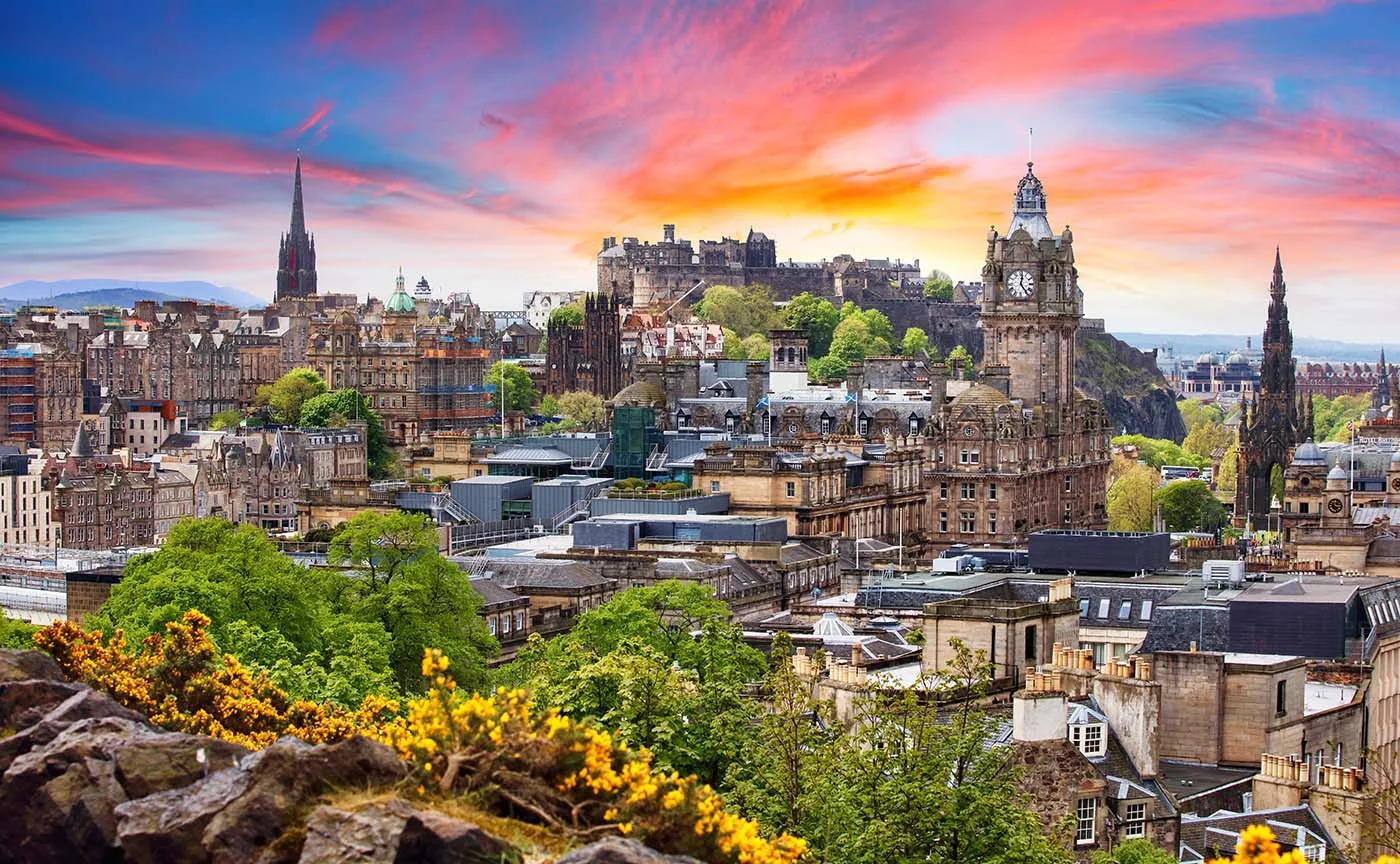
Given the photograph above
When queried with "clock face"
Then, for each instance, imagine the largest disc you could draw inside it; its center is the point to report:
(1335, 505)
(1021, 285)
(1395, 484)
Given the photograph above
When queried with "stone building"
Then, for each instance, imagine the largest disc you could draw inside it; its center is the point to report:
(588, 357)
(26, 505)
(1331, 380)
(172, 360)
(1277, 420)
(267, 473)
(296, 254)
(658, 274)
(41, 400)
(1210, 377)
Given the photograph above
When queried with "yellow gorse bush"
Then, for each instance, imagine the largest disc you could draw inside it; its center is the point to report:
(567, 774)
(181, 682)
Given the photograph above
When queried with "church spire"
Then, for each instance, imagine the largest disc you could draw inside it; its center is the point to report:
(298, 213)
(1277, 287)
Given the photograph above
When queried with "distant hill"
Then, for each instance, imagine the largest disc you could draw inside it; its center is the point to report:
(1190, 346)
(77, 293)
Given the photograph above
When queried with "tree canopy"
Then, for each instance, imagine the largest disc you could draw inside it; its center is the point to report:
(915, 342)
(663, 665)
(520, 389)
(1189, 505)
(285, 397)
(569, 315)
(344, 406)
(938, 286)
(817, 316)
(1157, 452)
(1131, 497)
(586, 409)
(745, 310)
(227, 419)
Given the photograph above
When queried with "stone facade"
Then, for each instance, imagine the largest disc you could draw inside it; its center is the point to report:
(588, 357)
(296, 255)
(41, 396)
(172, 360)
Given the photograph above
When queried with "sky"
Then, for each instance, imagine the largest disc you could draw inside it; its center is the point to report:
(490, 146)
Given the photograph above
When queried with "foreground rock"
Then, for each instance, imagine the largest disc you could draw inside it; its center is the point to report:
(393, 832)
(59, 798)
(617, 850)
(252, 811)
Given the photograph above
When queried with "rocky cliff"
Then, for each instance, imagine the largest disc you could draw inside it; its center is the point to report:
(83, 779)
(1130, 386)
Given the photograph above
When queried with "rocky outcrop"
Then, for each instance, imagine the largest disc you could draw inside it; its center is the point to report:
(393, 831)
(83, 779)
(1130, 386)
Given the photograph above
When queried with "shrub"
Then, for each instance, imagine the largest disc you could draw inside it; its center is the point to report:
(567, 774)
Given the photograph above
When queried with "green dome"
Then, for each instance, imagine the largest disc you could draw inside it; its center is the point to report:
(399, 303)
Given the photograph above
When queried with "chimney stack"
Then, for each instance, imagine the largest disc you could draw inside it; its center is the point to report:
(1039, 715)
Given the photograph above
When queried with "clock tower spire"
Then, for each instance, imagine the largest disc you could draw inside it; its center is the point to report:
(1031, 303)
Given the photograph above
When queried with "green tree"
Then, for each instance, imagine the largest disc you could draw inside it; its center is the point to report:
(389, 573)
(1195, 412)
(568, 315)
(663, 665)
(915, 342)
(16, 634)
(1134, 852)
(906, 784)
(1229, 467)
(1157, 452)
(1205, 437)
(226, 419)
(285, 397)
(756, 347)
(549, 406)
(854, 340)
(960, 361)
(1130, 499)
(348, 405)
(829, 368)
(1189, 505)
(583, 408)
(733, 345)
(938, 286)
(746, 310)
(1330, 416)
(520, 389)
(817, 316)
(262, 607)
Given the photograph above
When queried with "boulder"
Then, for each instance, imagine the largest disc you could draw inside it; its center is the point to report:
(85, 704)
(60, 797)
(252, 811)
(618, 850)
(394, 832)
(23, 703)
(16, 665)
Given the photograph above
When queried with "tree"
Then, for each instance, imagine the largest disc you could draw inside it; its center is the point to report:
(285, 397)
(348, 405)
(226, 419)
(756, 347)
(1157, 452)
(746, 310)
(1229, 468)
(549, 406)
(938, 286)
(854, 340)
(1195, 412)
(906, 784)
(663, 665)
(16, 634)
(259, 610)
(583, 408)
(915, 342)
(960, 361)
(1189, 505)
(568, 315)
(520, 389)
(1134, 852)
(817, 316)
(390, 574)
(1130, 499)
(1206, 437)
(1330, 416)
(733, 345)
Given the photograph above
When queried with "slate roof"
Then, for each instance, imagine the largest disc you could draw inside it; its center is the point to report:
(494, 596)
(533, 574)
(1209, 836)
(529, 456)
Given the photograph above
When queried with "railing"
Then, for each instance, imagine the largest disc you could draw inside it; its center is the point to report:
(464, 537)
(657, 460)
(577, 509)
(594, 462)
(652, 494)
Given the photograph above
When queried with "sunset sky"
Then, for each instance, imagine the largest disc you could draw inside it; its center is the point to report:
(490, 146)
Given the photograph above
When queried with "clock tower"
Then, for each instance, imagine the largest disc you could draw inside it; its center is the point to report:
(1031, 304)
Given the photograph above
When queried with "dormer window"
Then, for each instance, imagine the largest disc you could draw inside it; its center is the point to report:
(1090, 738)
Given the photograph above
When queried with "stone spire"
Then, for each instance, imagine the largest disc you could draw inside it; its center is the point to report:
(296, 255)
(82, 443)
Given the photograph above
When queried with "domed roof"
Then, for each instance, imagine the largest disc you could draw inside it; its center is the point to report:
(1337, 473)
(1205, 360)
(1308, 454)
(639, 394)
(981, 394)
(1236, 359)
(399, 303)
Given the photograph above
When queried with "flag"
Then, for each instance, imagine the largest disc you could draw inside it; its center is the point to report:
(762, 403)
(851, 397)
